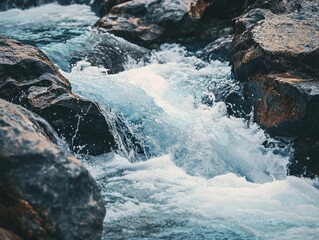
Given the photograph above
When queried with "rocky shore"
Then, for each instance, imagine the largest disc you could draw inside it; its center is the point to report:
(275, 53)
(46, 193)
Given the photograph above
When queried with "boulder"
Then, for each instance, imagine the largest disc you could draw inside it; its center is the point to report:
(278, 44)
(45, 193)
(112, 53)
(150, 23)
(28, 78)
(24, 4)
(284, 104)
(218, 50)
(275, 54)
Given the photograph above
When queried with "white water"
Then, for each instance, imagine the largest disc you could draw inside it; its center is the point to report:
(208, 176)
(197, 188)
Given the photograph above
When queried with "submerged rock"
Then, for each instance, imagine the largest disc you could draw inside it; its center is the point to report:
(24, 4)
(218, 50)
(285, 105)
(44, 192)
(112, 53)
(149, 23)
(28, 78)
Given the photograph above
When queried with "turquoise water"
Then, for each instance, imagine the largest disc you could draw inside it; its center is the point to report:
(207, 175)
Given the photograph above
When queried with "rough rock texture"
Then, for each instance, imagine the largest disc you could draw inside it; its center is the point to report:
(28, 78)
(277, 56)
(218, 50)
(149, 23)
(278, 6)
(24, 4)
(278, 44)
(284, 104)
(275, 53)
(44, 192)
(112, 53)
(7, 235)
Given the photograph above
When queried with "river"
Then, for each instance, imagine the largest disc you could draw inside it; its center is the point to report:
(205, 175)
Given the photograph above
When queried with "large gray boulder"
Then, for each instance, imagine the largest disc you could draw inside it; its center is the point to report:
(45, 193)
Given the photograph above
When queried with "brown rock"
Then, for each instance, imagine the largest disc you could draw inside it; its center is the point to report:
(44, 192)
(149, 23)
(285, 105)
(278, 44)
(7, 235)
(276, 58)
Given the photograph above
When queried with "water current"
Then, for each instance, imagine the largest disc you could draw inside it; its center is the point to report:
(206, 175)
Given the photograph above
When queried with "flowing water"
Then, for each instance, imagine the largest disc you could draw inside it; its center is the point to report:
(206, 175)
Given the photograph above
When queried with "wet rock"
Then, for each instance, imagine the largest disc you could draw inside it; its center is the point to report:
(44, 192)
(28, 78)
(285, 105)
(112, 53)
(274, 53)
(278, 44)
(218, 50)
(103, 7)
(7, 235)
(237, 106)
(24, 4)
(305, 162)
(149, 23)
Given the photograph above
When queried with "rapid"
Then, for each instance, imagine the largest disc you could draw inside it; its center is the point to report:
(204, 175)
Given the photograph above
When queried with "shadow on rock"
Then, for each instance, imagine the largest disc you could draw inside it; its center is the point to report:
(45, 192)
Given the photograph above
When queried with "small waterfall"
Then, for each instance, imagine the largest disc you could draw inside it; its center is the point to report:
(185, 170)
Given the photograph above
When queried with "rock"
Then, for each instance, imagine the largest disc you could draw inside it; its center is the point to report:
(275, 6)
(24, 4)
(237, 106)
(274, 53)
(305, 162)
(278, 44)
(7, 235)
(103, 7)
(218, 50)
(45, 193)
(149, 23)
(112, 53)
(285, 105)
(28, 78)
